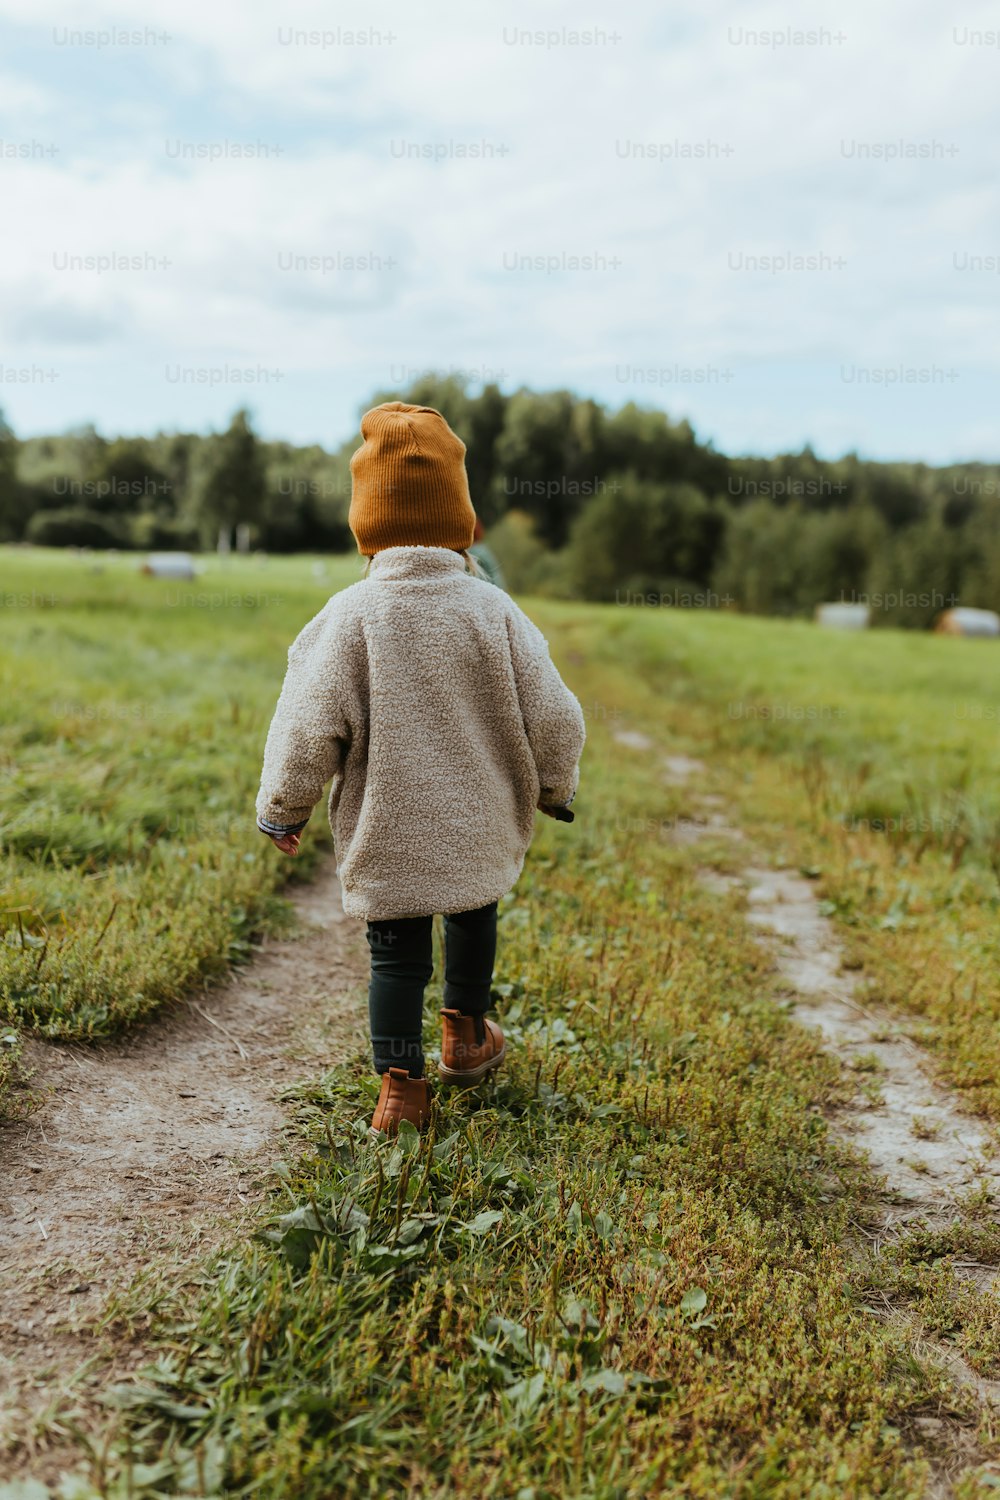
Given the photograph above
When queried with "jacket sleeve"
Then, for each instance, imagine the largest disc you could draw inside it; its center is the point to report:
(553, 719)
(310, 731)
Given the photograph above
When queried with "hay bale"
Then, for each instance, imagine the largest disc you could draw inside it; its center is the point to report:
(966, 621)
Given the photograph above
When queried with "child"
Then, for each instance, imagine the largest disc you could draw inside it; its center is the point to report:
(431, 700)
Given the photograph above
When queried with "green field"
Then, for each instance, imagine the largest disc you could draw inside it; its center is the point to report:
(632, 1268)
(132, 721)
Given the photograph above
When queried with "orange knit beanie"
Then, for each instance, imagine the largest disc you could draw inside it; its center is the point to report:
(409, 487)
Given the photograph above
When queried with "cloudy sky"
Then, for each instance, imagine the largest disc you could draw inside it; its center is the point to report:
(781, 225)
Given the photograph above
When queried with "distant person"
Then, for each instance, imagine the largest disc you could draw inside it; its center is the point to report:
(434, 705)
(486, 557)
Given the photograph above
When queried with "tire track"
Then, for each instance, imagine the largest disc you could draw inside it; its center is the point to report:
(155, 1149)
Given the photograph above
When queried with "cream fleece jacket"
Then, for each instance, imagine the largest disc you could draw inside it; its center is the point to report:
(431, 700)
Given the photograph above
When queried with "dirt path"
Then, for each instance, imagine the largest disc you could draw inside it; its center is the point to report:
(928, 1151)
(156, 1147)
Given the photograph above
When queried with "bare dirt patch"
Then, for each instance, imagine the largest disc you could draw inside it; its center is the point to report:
(634, 739)
(917, 1137)
(679, 769)
(929, 1153)
(158, 1145)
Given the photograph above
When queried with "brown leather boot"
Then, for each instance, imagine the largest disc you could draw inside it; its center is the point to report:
(471, 1047)
(402, 1098)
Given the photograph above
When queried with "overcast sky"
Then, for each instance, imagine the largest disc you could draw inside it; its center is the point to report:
(782, 226)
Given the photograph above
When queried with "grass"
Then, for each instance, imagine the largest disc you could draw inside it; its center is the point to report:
(633, 1266)
(132, 722)
(618, 1273)
(877, 756)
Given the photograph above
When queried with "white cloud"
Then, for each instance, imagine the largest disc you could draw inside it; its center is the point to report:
(563, 116)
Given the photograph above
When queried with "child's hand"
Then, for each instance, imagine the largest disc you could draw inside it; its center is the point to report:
(561, 814)
(288, 843)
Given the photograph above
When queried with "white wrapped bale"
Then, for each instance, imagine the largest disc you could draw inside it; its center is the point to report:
(176, 565)
(967, 621)
(843, 616)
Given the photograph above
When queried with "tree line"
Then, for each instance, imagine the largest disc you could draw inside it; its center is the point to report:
(578, 500)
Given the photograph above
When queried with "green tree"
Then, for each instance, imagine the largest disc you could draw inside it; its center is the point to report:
(645, 441)
(917, 574)
(762, 565)
(638, 537)
(528, 566)
(126, 481)
(839, 550)
(231, 486)
(10, 497)
(980, 566)
(547, 460)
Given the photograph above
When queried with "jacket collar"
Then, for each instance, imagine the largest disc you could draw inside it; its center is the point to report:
(415, 562)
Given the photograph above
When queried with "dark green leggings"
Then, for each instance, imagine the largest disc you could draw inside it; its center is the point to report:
(402, 963)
